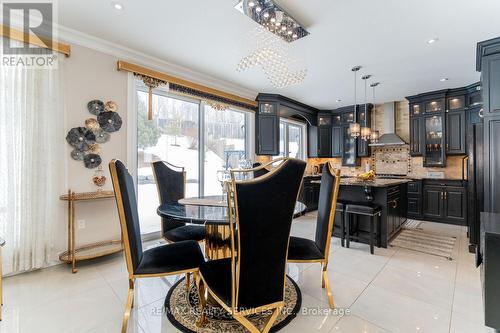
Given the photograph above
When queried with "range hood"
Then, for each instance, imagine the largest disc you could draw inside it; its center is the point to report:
(389, 138)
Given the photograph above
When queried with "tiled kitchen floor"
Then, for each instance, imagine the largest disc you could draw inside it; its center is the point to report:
(395, 290)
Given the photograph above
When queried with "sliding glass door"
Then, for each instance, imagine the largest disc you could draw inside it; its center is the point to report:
(187, 133)
(172, 136)
(292, 139)
(225, 145)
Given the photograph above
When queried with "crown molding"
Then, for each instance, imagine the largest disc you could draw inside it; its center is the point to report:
(124, 53)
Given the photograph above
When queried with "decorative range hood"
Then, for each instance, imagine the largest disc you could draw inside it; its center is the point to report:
(389, 138)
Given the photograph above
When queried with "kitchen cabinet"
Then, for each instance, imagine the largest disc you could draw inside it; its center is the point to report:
(364, 119)
(337, 141)
(267, 122)
(312, 141)
(455, 133)
(324, 135)
(309, 194)
(445, 202)
(434, 131)
(488, 63)
(349, 148)
(267, 129)
(416, 131)
(414, 199)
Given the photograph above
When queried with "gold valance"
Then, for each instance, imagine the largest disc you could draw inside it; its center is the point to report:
(215, 98)
(32, 39)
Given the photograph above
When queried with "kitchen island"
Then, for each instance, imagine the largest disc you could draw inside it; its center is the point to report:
(390, 194)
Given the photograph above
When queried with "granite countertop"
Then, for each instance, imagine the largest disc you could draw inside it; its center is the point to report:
(374, 183)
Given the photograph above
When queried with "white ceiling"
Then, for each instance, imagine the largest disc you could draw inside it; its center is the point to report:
(386, 37)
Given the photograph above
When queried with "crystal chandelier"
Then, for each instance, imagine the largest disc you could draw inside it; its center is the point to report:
(272, 18)
(375, 135)
(354, 127)
(365, 130)
(271, 55)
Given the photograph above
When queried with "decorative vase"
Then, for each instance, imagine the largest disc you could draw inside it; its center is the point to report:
(99, 179)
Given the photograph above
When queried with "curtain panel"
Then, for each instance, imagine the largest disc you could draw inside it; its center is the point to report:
(32, 165)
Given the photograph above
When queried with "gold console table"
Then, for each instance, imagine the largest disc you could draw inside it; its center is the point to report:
(89, 251)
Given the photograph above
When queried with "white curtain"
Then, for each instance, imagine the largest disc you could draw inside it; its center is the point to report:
(32, 165)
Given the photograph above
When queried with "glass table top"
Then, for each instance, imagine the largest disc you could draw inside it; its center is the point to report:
(202, 213)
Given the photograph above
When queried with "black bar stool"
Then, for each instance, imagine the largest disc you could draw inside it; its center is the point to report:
(366, 209)
(341, 205)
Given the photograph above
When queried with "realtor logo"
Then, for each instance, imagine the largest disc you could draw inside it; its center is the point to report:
(28, 34)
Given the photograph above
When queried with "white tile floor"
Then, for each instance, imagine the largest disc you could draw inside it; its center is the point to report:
(395, 290)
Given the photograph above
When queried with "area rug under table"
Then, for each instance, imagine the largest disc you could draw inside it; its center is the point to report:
(183, 311)
(421, 241)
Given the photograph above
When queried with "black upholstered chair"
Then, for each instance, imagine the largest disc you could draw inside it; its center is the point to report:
(304, 250)
(179, 258)
(253, 278)
(171, 184)
(258, 170)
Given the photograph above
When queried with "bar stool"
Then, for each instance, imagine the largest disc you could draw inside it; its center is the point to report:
(366, 209)
(341, 205)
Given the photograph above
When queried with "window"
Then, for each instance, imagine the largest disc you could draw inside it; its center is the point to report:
(292, 139)
(189, 133)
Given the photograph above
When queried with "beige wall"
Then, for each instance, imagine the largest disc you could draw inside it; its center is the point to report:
(90, 75)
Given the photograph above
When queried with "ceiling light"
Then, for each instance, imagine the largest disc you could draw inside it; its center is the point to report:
(444, 79)
(432, 40)
(266, 11)
(338, 100)
(117, 6)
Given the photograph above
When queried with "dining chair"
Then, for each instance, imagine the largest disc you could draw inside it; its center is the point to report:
(171, 185)
(171, 259)
(302, 250)
(253, 279)
(258, 169)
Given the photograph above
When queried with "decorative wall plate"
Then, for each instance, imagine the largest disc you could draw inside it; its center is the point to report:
(101, 136)
(94, 148)
(77, 155)
(92, 161)
(110, 106)
(80, 138)
(109, 121)
(92, 124)
(95, 106)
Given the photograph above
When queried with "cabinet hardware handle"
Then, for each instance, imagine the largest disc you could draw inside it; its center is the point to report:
(481, 113)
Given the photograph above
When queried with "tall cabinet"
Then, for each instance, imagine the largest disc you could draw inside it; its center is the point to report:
(488, 63)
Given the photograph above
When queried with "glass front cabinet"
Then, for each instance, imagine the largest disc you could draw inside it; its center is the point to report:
(434, 145)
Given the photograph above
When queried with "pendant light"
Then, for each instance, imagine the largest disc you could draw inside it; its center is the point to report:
(375, 135)
(354, 127)
(365, 130)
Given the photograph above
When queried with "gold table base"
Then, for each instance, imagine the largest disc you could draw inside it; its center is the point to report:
(217, 241)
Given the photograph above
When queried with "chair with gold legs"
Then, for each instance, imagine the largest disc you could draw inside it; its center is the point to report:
(252, 280)
(304, 250)
(171, 259)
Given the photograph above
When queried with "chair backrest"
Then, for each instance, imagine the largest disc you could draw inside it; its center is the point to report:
(261, 212)
(328, 194)
(170, 181)
(259, 171)
(126, 203)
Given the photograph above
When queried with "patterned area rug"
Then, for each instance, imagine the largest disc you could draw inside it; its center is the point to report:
(182, 310)
(429, 243)
(412, 224)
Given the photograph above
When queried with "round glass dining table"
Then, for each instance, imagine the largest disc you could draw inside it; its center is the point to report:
(212, 211)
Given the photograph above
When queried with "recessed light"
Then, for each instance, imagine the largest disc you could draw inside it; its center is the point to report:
(432, 40)
(338, 100)
(117, 6)
(444, 79)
